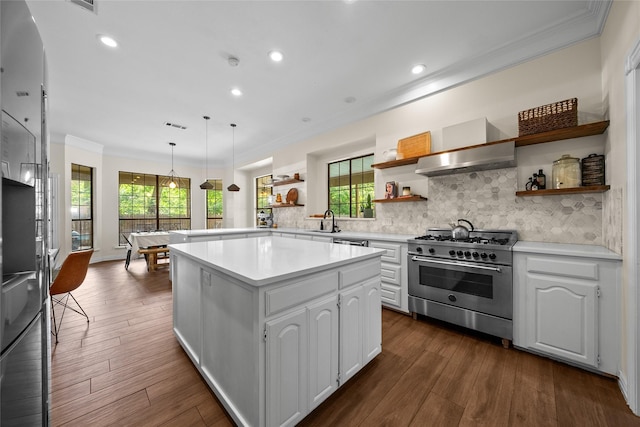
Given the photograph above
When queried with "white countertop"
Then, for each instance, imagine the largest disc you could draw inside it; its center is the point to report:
(260, 261)
(586, 251)
(342, 234)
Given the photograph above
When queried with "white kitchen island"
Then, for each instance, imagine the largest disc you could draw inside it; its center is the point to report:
(276, 325)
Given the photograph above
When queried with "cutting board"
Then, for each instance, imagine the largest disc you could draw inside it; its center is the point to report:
(414, 146)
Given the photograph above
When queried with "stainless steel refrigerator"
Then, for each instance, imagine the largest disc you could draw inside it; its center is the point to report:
(24, 319)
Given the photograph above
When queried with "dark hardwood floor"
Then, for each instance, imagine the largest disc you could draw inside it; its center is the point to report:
(125, 368)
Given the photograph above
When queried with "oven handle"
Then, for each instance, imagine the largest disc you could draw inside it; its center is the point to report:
(456, 263)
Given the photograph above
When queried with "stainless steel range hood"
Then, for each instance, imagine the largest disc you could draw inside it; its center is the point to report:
(476, 158)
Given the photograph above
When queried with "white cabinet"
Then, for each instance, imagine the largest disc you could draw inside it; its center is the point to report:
(287, 367)
(302, 361)
(565, 306)
(323, 350)
(351, 332)
(273, 353)
(394, 291)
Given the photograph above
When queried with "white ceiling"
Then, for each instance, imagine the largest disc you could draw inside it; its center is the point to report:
(172, 65)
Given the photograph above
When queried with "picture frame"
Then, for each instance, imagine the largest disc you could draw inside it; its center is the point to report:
(391, 190)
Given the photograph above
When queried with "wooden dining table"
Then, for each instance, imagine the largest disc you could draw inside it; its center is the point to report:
(145, 240)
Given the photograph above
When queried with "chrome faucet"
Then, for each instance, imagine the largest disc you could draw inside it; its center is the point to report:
(334, 227)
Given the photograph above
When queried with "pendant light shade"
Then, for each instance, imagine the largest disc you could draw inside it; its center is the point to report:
(233, 187)
(173, 180)
(206, 185)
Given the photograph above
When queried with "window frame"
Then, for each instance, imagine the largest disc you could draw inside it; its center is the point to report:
(214, 222)
(80, 221)
(262, 196)
(356, 202)
(153, 219)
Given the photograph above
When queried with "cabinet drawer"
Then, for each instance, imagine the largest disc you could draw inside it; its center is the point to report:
(563, 267)
(393, 252)
(391, 273)
(390, 294)
(289, 296)
(359, 272)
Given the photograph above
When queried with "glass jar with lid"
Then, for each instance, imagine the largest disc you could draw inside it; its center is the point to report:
(566, 172)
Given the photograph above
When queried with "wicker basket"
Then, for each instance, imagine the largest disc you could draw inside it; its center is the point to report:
(562, 114)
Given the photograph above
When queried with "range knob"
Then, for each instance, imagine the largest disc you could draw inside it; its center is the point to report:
(459, 253)
(475, 254)
(419, 249)
(492, 256)
(452, 252)
(483, 255)
(432, 251)
(467, 254)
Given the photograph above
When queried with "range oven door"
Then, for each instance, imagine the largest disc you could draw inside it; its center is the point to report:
(478, 287)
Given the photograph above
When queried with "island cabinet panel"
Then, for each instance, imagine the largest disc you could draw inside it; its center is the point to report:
(566, 304)
(229, 356)
(186, 305)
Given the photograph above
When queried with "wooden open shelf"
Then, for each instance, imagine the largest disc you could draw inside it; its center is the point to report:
(589, 129)
(394, 163)
(575, 190)
(287, 181)
(285, 205)
(580, 131)
(415, 198)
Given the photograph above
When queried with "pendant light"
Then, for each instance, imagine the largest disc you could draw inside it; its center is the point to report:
(173, 178)
(206, 185)
(233, 187)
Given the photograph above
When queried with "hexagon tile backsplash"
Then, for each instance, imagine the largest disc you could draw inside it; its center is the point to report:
(488, 200)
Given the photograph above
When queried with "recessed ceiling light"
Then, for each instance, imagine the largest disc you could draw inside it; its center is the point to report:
(236, 92)
(350, 99)
(417, 69)
(107, 41)
(306, 119)
(276, 56)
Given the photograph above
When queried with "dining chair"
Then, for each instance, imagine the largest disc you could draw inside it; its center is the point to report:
(69, 278)
(129, 246)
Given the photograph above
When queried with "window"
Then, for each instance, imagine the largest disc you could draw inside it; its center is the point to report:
(214, 204)
(264, 189)
(81, 207)
(351, 186)
(146, 205)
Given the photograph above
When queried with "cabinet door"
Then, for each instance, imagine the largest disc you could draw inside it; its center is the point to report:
(351, 332)
(287, 369)
(323, 350)
(372, 325)
(562, 317)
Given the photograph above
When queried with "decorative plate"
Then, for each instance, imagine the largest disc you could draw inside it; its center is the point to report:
(292, 196)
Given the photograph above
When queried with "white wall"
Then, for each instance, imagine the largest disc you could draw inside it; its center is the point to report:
(571, 72)
(621, 33)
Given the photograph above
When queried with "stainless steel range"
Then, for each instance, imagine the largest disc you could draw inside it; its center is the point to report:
(465, 282)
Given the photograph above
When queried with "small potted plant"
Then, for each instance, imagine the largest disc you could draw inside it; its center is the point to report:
(368, 209)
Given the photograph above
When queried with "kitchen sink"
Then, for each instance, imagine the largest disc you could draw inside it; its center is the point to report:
(324, 231)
